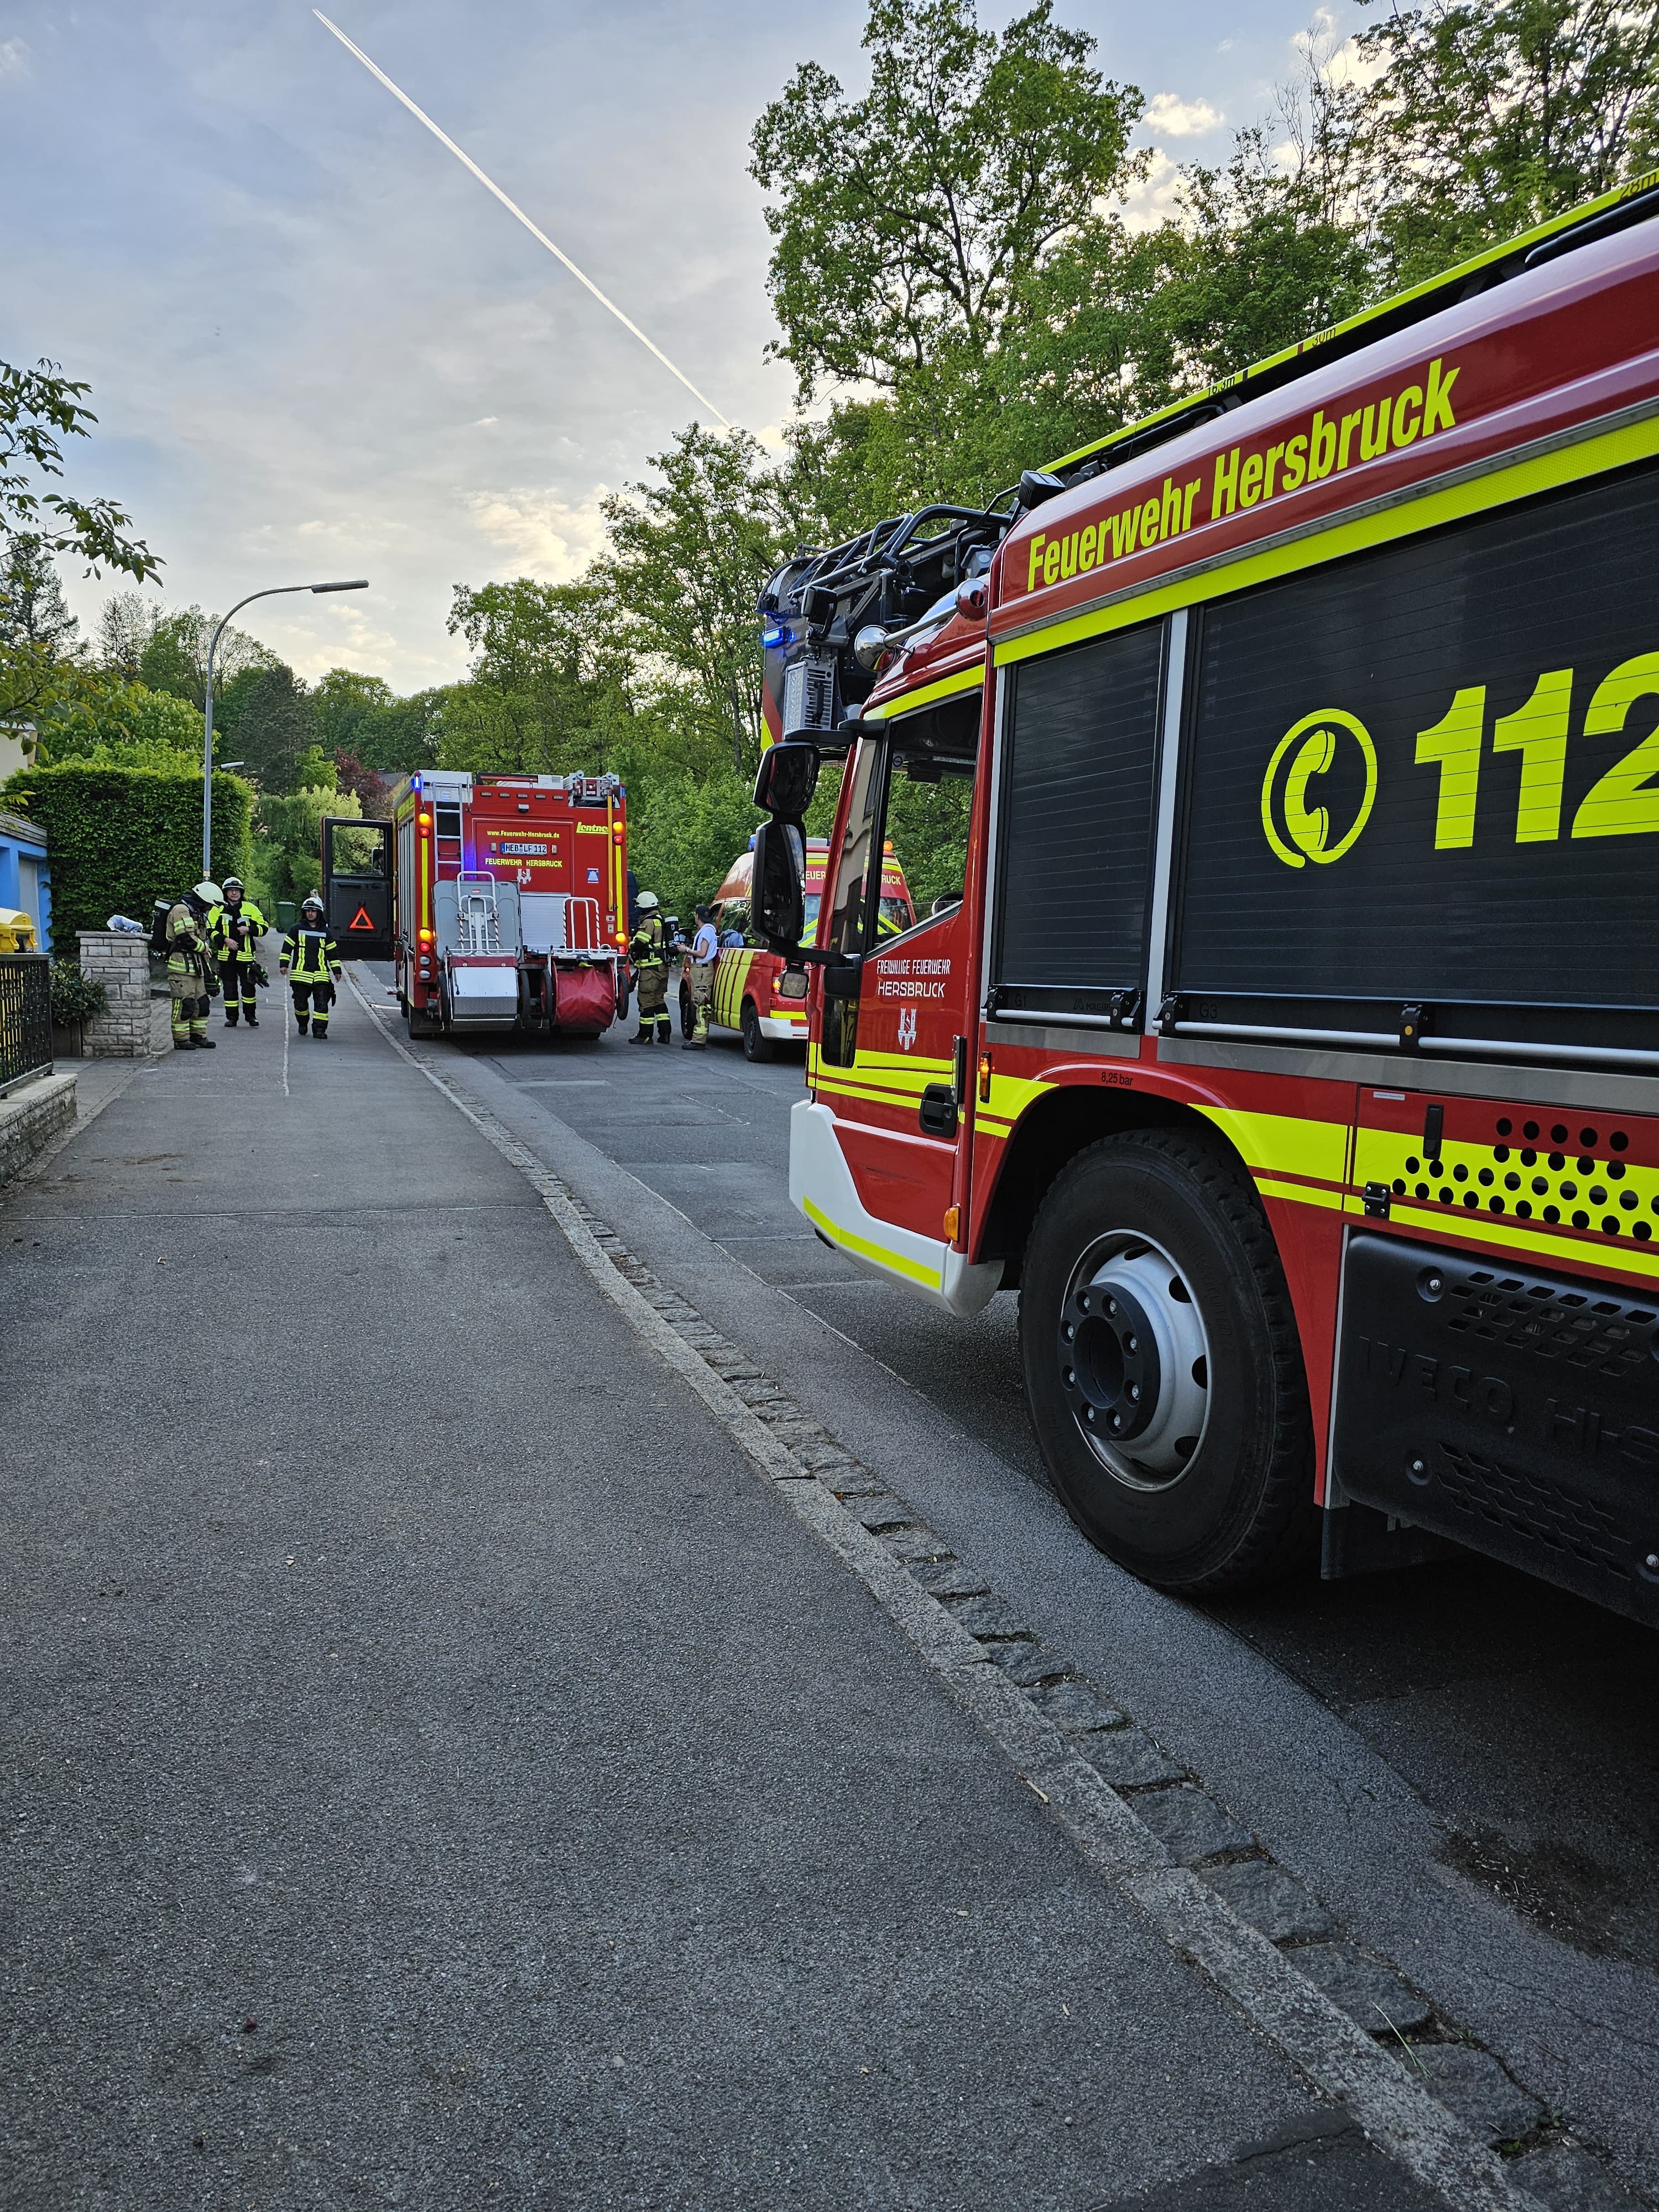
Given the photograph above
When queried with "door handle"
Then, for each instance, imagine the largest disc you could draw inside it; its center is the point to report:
(938, 1110)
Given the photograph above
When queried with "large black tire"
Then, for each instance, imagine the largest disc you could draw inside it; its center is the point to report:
(1151, 1280)
(756, 1045)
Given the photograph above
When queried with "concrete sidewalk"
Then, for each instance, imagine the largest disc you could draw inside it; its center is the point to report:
(441, 1772)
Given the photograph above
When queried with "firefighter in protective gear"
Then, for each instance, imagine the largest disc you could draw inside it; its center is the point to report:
(648, 951)
(310, 960)
(234, 929)
(192, 979)
(700, 973)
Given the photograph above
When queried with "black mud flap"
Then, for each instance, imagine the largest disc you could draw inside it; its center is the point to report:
(1514, 1412)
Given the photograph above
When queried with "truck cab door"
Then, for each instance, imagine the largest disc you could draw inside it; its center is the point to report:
(879, 1155)
(357, 886)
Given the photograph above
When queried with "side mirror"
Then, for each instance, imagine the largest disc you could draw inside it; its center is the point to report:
(788, 777)
(779, 885)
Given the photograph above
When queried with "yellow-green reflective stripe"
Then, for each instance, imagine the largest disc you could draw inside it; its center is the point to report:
(965, 679)
(906, 1063)
(1608, 1252)
(1290, 1143)
(893, 1098)
(913, 1268)
(1302, 1194)
(1425, 510)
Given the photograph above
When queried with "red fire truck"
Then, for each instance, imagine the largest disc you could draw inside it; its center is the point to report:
(750, 992)
(501, 900)
(1295, 1048)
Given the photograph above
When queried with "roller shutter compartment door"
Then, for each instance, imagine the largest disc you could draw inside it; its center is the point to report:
(1079, 765)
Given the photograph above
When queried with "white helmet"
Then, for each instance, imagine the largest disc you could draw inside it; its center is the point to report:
(209, 893)
(312, 899)
(647, 902)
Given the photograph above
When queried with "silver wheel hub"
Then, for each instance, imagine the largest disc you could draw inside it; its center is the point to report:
(1135, 1361)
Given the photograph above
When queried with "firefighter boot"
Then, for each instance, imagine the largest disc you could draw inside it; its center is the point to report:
(642, 1036)
(319, 1029)
(252, 1016)
(304, 1021)
(230, 1015)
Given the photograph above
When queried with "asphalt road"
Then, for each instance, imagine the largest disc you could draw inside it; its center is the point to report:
(438, 1771)
(1464, 1762)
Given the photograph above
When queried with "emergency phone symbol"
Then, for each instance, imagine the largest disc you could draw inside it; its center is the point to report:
(1311, 747)
(907, 1028)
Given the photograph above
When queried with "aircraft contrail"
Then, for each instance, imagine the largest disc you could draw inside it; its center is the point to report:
(421, 116)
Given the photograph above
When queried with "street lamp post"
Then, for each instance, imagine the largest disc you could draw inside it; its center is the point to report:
(276, 591)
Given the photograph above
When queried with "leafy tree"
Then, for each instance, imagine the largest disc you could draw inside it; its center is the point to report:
(124, 726)
(1097, 350)
(342, 702)
(1487, 118)
(33, 608)
(229, 702)
(687, 558)
(286, 859)
(125, 623)
(39, 642)
(405, 734)
(167, 649)
(546, 694)
(275, 729)
(353, 774)
(907, 219)
(686, 830)
(1264, 257)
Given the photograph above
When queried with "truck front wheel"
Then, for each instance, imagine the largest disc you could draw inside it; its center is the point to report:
(1163, 1367)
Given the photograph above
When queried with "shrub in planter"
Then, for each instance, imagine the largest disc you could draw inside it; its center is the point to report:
(74, 1000)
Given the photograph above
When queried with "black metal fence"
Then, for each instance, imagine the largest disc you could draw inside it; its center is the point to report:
(25, 1016)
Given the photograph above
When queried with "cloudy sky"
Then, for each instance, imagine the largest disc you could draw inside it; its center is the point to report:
(318, 348)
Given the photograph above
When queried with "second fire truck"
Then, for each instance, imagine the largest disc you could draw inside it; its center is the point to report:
(500, 901)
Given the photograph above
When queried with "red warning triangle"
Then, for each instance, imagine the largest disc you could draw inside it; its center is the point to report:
(360, 921)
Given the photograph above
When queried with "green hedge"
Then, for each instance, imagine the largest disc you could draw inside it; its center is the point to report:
(118, 838)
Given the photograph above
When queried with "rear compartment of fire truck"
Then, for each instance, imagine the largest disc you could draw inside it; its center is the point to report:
(511, 903)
